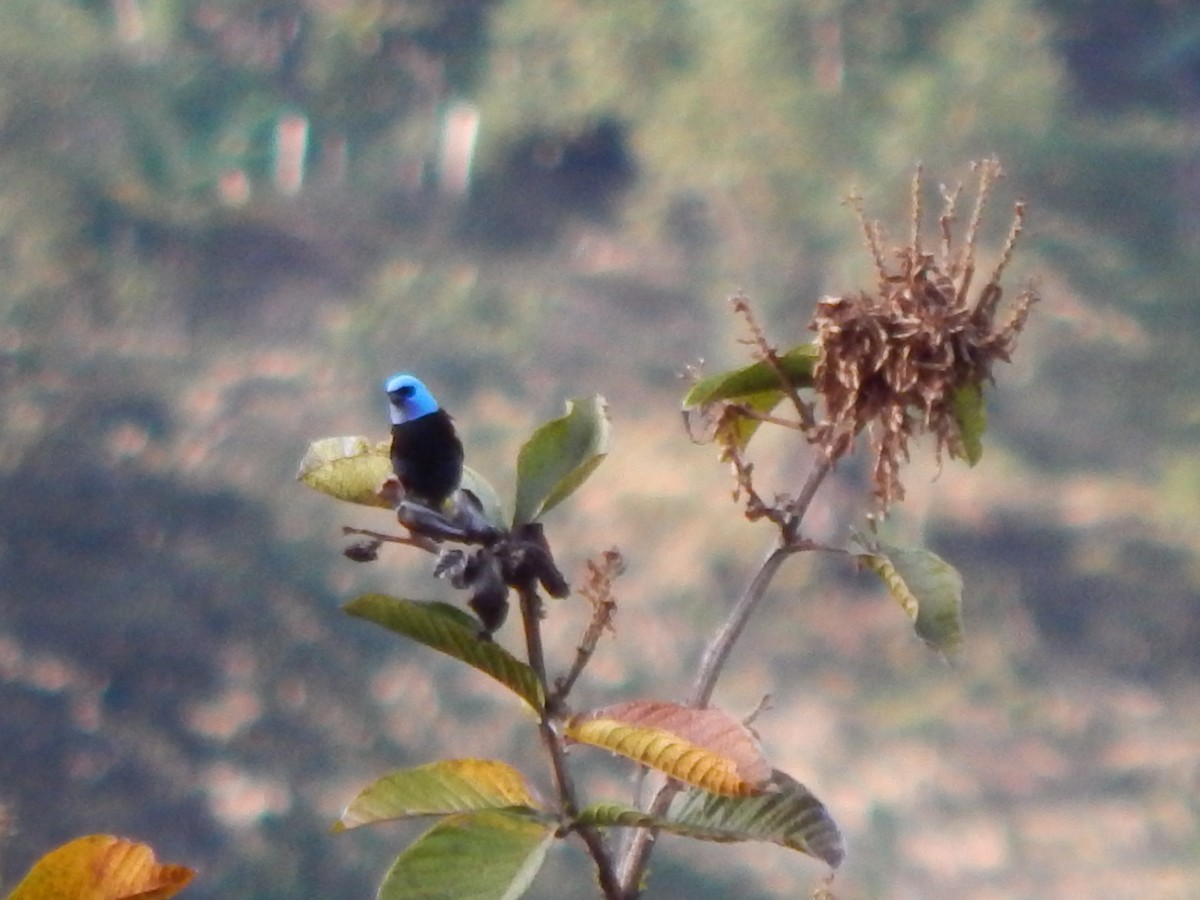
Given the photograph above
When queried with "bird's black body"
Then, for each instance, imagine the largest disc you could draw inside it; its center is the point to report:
(427, 457)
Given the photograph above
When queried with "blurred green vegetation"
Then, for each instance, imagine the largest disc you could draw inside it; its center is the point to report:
(174, 329)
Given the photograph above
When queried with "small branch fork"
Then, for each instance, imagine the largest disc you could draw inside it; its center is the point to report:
(531, 564)
(769, 355)
(729, 421)
(787, 542)
(787, 514)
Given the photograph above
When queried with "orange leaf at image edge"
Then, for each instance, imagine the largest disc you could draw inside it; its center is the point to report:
(102, 867)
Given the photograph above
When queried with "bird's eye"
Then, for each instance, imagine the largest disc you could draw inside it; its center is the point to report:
(407, 391)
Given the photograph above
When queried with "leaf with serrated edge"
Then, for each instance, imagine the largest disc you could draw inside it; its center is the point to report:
(927, 587)
(489, 855)
(756, 378)
(102, 867)
(966, 403)
(559, 457)
(704, 747)
(439, 788)
(449, 630)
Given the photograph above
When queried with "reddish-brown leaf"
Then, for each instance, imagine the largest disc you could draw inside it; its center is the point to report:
(707, 748)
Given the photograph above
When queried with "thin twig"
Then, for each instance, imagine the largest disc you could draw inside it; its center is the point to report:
(418, 541)
(799, 507)
(946, 223)
(872, 236)
(767, 419)
(770, 357)
(1010, 243)
(583, 654)
(721, 645)
(636, 857)
(764, 703)
(598, 591)
(605, 872)
(633, 864)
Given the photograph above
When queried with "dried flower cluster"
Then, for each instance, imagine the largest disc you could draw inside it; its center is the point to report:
(893, 362)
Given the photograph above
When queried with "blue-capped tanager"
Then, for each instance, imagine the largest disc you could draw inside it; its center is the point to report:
(427, 455)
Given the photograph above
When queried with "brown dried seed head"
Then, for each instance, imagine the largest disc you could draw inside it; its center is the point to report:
(891, 361)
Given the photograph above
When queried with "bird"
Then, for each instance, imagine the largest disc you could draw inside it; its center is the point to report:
(427, 455)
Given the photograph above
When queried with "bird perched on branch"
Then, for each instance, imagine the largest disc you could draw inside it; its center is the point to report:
(427, 455)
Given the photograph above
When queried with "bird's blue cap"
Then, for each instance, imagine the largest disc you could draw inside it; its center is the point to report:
(409, 398)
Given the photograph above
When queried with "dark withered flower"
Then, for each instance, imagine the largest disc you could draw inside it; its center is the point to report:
(892, 361)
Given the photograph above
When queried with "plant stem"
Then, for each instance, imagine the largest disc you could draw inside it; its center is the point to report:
(717, 653)
(421, 543)
(602, 613)
(605, 871)
(804, 499)
(637, 856)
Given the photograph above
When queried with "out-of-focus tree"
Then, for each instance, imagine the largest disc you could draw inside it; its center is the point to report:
(744, 120)
(136, 138)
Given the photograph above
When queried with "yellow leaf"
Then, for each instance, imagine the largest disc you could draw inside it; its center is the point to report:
(354, 469)
(439, 788)
(707, 748)
(348, 468)
(101, 867)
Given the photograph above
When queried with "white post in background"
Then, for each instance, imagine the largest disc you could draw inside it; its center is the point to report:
(291, 147)
(829, 67)
(131, 26)
(460, 129)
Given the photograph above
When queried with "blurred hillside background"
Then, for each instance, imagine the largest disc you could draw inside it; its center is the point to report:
(223, 223)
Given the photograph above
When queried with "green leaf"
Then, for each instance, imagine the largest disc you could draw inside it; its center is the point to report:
(489, 501)
(786, 814)
(559, 457)
(439, 788)
(606, 814)
(746, 426)
(348, 468)
(757, 378)
(927, 587)
(970, 413)
(489, 855)
(449, 630)
(353, 468)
